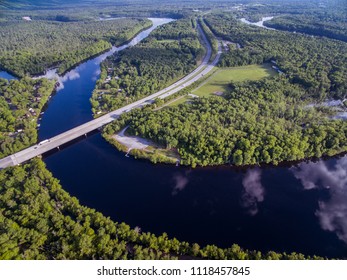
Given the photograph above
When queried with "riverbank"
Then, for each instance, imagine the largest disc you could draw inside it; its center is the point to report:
(118, 240)
(119, 44)
(67, 49)
(145, 149)
(21, 117)
(193, 203)
(142, 148)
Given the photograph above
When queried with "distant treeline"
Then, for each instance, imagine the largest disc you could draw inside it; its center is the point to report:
(319, 64)
(331, 26)
(31, 47)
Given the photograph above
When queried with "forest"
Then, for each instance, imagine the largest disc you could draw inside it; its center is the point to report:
(21, 102)
(170, 52)
(319, 64)
(31, 47)
(322, 24)
(39, 221)
(267, 121)
(263, 121)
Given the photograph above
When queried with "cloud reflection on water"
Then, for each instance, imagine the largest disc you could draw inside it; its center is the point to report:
(181, 182)
(52, 74)
(253, 191)
(96, 74)
(332, 213)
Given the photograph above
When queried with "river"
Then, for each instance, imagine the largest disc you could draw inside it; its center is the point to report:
(298, 208)
(7, 76)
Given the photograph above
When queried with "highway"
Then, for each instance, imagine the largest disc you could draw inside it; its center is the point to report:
(63, 138)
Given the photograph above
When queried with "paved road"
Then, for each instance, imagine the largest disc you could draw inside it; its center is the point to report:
(63, 138)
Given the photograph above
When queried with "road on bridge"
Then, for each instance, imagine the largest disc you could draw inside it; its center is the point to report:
(55, 142)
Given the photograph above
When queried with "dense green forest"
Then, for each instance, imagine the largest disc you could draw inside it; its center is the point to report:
(61, 10)
(39, 220)
(30, 47)
(322, 24)
(325, 10)
(170, 52)
(21, 102)
(319, 64)
(256, 122)
(266, 121)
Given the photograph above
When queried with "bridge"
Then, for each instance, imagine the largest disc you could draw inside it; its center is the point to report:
(55, 142)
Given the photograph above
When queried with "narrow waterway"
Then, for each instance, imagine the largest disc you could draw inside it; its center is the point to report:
(7, 76)
(70, 107)
(298, 208)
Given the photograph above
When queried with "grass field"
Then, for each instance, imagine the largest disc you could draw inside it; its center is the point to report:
(218, 82)
(221, 77)
(180, 100)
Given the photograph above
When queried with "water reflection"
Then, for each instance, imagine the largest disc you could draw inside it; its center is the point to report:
(69, 76)
(199, 205)
(332, 213)
(181, 182)
(253, 192)
(96, 75)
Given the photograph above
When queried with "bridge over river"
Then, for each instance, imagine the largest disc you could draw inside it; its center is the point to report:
(55, 142)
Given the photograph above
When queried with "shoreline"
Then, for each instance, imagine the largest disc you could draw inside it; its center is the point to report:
(37, 75)
(146, 155)
(147, 150)
(103, 52)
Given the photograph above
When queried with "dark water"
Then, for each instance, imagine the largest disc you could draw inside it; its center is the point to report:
(7, 76)
(301, 208)
(71, 106)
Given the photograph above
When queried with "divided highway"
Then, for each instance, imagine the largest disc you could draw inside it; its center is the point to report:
(63, 138)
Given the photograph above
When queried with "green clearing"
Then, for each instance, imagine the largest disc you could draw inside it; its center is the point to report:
(219, 81)
(180, 100)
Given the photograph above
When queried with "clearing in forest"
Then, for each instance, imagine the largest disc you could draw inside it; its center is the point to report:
(219, 81)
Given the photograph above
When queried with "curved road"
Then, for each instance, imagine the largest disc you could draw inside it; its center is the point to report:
(63, 138)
